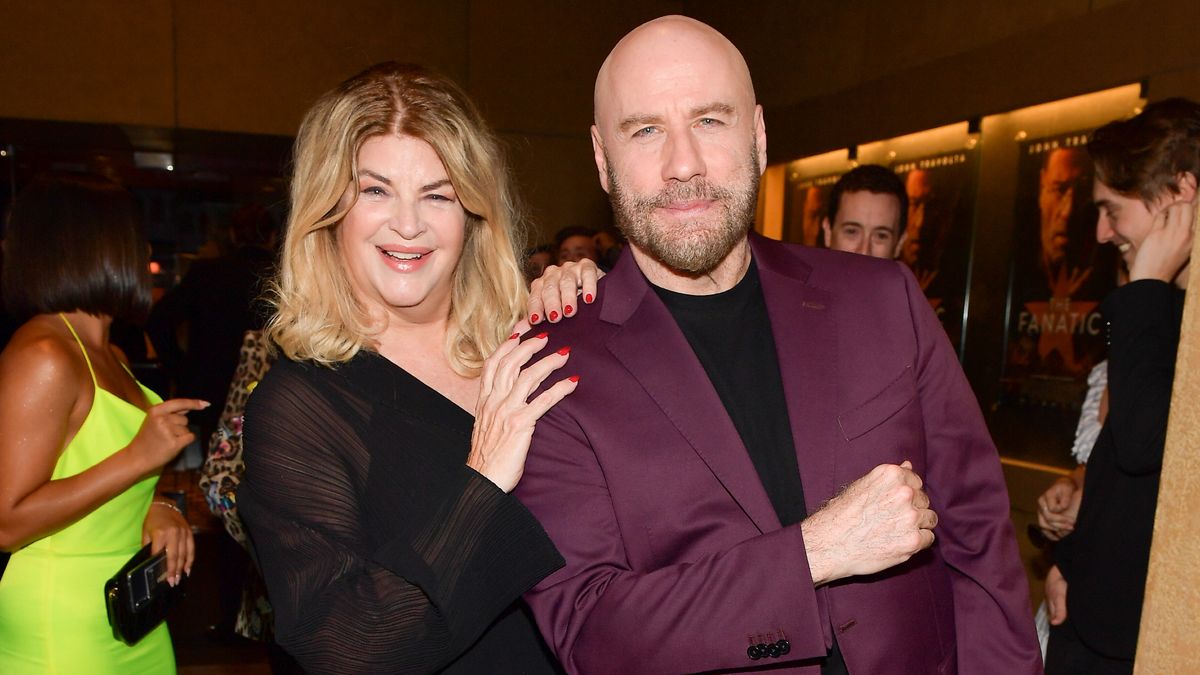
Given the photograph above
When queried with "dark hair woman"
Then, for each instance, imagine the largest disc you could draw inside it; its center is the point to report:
(81, 441)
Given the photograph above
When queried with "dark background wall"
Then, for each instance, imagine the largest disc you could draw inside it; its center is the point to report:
(830, 73)
(211, 77)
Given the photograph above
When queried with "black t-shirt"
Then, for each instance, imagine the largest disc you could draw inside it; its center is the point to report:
(730, 333)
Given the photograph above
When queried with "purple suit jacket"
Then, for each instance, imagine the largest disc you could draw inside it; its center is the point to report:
(676, 561)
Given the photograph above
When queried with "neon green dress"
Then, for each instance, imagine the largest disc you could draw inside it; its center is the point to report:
(52, 611)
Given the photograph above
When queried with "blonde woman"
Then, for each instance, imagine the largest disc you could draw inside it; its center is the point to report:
(382, 446)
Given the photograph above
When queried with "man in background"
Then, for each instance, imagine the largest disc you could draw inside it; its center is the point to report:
(1147, 169)
(572, 244)
(215, 303)
(868, 209)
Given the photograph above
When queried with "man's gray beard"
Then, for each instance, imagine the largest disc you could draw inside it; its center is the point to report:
(702, 250)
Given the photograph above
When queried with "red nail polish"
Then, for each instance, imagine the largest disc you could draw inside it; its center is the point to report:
(573, 378)
(553, 315)
(533, 318)
(540, 336)
(567, 310)
(513, 336)
(564, 351)
(588, 298)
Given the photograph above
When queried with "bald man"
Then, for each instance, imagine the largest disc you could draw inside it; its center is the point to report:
(773, 459)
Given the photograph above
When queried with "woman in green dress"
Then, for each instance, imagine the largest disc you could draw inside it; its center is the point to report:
(81, 441)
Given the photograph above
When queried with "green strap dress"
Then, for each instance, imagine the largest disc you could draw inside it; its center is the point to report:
(52, 609)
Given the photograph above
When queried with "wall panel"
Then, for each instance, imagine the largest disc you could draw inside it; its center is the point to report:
(81, 61)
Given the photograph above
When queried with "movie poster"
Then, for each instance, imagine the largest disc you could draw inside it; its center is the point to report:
(936, 242)
(805, 203)
(1060, 274)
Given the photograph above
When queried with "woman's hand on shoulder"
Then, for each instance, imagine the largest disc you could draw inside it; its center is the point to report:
(164, 432)
(554, 295)
(165, 528)
(504, 417)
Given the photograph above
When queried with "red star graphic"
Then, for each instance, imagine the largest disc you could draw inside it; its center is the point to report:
(1058, 320)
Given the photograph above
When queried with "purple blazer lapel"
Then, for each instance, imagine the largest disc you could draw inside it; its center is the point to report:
(651, 347)
(806, 346)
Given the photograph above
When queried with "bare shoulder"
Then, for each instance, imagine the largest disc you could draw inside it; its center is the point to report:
(40, 356)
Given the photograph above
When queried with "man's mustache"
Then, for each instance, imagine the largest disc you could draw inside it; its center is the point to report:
(697, 188)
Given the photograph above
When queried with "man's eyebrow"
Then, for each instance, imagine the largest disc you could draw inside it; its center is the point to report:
(377, 176)
(638, 120)
(709, 108)
(1102, 203)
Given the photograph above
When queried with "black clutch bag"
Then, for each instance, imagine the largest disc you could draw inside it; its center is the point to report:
(138, 596)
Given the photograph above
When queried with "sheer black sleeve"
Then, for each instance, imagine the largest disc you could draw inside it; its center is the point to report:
(350, 594)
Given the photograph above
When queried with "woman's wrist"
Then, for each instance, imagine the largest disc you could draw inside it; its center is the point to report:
(167, 503)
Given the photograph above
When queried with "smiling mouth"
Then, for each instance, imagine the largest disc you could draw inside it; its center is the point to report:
(1124, 247)
(397, 255)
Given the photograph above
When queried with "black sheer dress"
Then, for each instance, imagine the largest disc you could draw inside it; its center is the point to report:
(382, 551)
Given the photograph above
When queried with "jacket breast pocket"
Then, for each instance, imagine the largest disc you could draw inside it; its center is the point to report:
(880, 407)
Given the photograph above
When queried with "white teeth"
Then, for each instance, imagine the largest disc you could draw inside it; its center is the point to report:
(404, 256)
(1124, 247)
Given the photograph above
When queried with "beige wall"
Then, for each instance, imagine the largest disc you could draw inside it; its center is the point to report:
(830, 73)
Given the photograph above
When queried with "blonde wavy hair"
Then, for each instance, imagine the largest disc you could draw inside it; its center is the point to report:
(317, 317)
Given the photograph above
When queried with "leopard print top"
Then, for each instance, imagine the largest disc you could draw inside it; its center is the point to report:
(222, 473)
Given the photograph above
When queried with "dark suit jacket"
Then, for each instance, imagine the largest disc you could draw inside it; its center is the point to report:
(676, 561)
(1106, 559)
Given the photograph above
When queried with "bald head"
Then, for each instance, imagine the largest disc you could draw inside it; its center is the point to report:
(679, 143)
(670, 51)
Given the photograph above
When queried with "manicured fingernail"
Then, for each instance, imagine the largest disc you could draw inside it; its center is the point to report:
(573, 378)
(553, 316)
(588, 298)
(564, 351)
(513, 336)
(533, 318)
(567, 310)
(541, 336)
